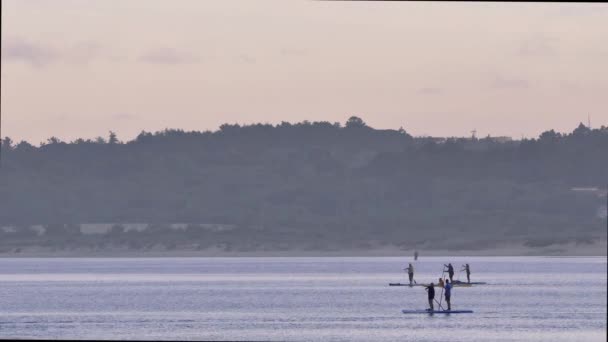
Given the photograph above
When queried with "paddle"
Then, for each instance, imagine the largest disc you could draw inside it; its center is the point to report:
(441, 307)
(441, 296)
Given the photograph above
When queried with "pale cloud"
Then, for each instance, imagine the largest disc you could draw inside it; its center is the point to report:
(539, 46)
(293, 52)
(430, 91)
(83, 52)
(569, 86)
(500, 82)
(246, 58)
(21, 50)
(125, 116)
(168, 56)
(16, 49)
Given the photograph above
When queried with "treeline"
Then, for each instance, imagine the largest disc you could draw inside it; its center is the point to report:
(316, 181)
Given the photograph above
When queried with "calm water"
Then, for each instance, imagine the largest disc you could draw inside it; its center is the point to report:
(299, 299)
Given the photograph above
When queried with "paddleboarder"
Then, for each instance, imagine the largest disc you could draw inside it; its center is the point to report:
(466, 268)
(448, 293)
(410, 273)
(415, 255)
(431, 295)
(450, 271)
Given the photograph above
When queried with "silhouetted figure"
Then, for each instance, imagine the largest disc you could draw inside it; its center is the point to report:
(466, 268)
(415, 255)
(450, 271)
(448, 293)
(410, 273)
(431, 295)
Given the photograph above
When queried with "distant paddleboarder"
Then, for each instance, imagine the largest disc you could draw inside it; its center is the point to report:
(431, 295)
(450, 271)
(448, 293)
(410, 273)
(440, 283)
(468, 269)
(415, 255)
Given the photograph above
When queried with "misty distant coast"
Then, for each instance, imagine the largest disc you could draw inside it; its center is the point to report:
(564, 249)
(307, 188)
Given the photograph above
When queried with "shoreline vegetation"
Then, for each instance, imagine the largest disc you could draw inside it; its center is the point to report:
(192, 241)
(561, 250)
(309, 188)
(597, 249)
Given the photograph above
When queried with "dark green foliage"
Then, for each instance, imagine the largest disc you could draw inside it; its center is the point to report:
(309, 184)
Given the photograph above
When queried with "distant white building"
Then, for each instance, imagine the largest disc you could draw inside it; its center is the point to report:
(102, 228)
(594, 189)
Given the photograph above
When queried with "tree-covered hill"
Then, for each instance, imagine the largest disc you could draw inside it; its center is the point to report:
(314, 184)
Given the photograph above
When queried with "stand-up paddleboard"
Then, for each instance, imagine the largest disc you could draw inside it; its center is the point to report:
(436, 311)
(455, 285)
(456, 282)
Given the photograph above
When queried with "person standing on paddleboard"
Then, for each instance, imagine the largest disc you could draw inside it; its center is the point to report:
(450, 271)
(431, 295)
(410, 273)
(448, 293)
(466, 268)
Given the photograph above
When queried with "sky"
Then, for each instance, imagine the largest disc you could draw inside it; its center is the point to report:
(80, 68)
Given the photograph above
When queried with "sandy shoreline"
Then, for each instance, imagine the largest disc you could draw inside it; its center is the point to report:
(566, 250)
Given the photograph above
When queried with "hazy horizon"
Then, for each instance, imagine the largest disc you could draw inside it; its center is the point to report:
(75, 69)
